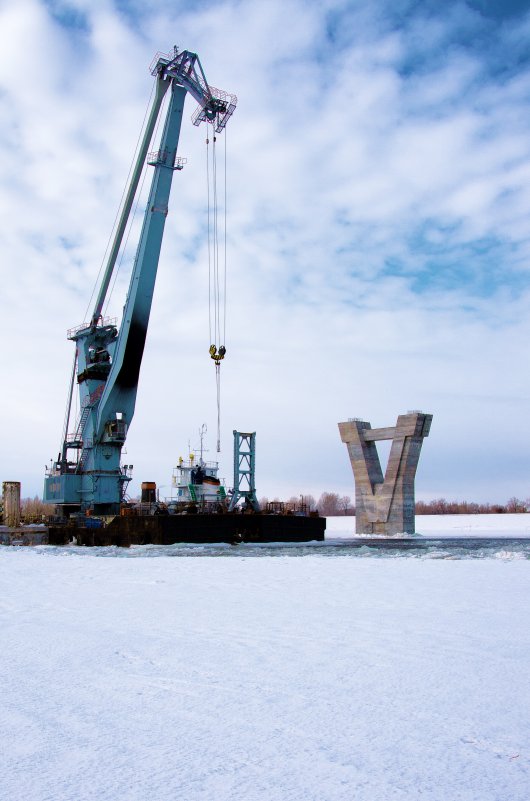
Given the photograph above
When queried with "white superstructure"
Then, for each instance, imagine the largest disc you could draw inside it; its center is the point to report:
(195, 481)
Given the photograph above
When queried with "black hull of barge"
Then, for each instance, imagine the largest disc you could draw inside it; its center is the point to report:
(170, 529)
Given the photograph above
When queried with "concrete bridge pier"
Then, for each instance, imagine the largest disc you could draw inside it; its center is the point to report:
(385, 505)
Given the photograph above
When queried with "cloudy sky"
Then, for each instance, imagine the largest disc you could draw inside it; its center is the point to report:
(378, 170)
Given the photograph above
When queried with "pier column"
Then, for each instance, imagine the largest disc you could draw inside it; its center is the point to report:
(385, 505)
(11, 500)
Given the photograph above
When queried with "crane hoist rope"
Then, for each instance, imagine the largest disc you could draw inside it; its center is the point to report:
(214, 268)
(217, 283)
(125, 243)
(140, 198)
(225, 209)
(120, 205)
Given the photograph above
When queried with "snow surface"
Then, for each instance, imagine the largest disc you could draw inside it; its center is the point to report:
(263, 679)
(504, 525)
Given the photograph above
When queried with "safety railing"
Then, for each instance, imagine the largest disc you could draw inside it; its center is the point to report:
(107, 321)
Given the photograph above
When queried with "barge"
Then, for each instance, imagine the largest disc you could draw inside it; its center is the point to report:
(166, 529)
(200, 509)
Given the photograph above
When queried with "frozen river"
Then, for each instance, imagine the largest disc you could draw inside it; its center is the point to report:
(263, 679)
(439, 537)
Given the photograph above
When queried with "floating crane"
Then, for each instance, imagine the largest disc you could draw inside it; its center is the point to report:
(88, 474)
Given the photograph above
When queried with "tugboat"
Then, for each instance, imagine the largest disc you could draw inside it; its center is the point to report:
(195, 482)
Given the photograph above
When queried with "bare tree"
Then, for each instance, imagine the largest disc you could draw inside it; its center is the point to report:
(345, 504)
(515, 505)
(328, 504)
(33, 510)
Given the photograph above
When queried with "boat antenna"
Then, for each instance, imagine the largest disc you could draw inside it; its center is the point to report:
(202, 431)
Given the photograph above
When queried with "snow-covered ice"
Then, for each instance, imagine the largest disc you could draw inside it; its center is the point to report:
(503, 525)
(263, 679)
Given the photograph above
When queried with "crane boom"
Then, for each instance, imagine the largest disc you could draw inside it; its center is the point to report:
(108, 360)
(119, 395)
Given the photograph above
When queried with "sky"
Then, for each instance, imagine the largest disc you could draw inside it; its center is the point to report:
(378, 242)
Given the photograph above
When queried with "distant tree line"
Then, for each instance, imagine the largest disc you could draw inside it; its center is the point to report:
(330, 504)
(442, 507)
(32, 510)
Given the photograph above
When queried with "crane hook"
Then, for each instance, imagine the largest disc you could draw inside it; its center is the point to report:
(217, 355)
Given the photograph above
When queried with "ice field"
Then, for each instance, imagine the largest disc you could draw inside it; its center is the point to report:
(263, 679)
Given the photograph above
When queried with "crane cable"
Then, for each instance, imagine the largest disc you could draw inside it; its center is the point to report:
(132, 216)
(96, 282)
(216, 317)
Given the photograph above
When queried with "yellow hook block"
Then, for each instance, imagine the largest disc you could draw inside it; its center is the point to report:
(217, 355)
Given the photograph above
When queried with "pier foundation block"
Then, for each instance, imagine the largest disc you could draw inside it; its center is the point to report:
(385, 505)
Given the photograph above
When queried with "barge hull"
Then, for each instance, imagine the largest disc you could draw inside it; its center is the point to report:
(170, 529)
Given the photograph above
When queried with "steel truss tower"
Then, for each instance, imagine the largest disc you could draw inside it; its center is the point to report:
(244, 471)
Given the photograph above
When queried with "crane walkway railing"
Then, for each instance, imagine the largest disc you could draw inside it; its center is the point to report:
(107, 321)
(160, 158)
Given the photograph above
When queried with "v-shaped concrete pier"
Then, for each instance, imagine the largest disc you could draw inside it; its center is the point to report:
(385, 505)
